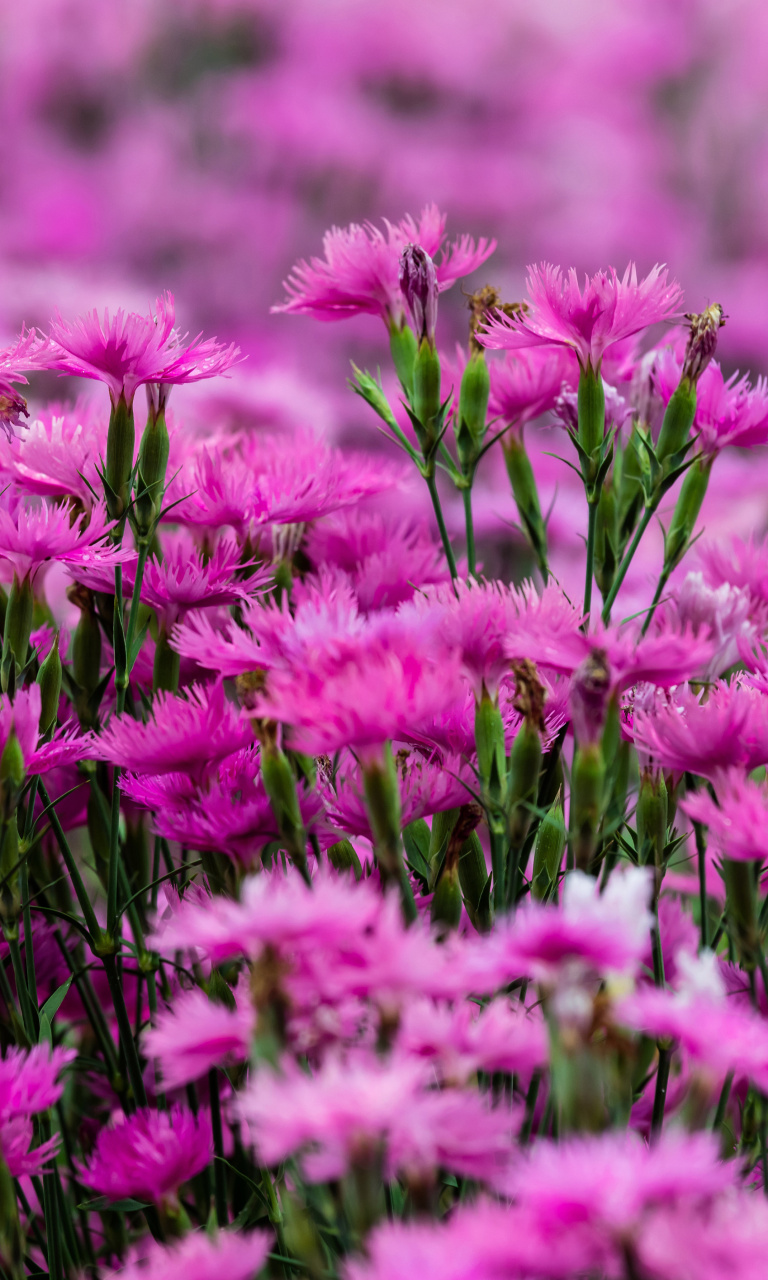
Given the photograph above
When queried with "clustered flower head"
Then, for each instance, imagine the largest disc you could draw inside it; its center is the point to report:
(373, 899)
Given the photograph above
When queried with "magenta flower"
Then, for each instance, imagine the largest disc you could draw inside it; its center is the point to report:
(740, 564)
(36, 533)
(29, 1084)
(195, 1034)
(128, 350)
(186, 579)
(373, 687)
(360, 271)
(228, 813)
(56, 455)
(148, 1155)
(589, 321)
(386, 560)
(25, 355)
(728, 411)
(528, 384)
(704, 735)
(737, 820)
(199, 1256)
(21, 716)
(726, 1237)
(184, 732)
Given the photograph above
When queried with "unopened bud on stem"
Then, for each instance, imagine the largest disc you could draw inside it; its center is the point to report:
(418, 282)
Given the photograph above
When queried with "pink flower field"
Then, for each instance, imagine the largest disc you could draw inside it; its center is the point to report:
(384, 666)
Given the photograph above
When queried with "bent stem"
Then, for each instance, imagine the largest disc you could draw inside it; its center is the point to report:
(447, 548)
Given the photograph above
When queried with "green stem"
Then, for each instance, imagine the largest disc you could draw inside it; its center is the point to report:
(51, 1209)
(660, 1096)
(29, 950)
(126, 1034)
(722, 1102)
(498, 866)
(219, 1181)
(621, 572)
(470, 526)
(89, 915)
(275, 1215)
(530, 1107)
(591, 525)
(657, 597)
(135, 601)
(434, 495)
(113, 868)
(701, 851)
(28, 1014)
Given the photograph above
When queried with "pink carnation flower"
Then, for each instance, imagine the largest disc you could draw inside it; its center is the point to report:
(607, 310)
(128, 350)
(199, 1256)
(360, 271)
(589, 933)
(25, 355)
(184, 732)
(607, 1184)
(718, 1034)
(737, 819)
(29, 1084)
(148, 1155)
(346, 1109)
(22, 718)
(460, 1041)
(56, 454)
(385, 560)
(740, 564)
(36, 533)
(704, 735)
(527, 384)
(728, 411)
(727, 1237)
(195, 1034)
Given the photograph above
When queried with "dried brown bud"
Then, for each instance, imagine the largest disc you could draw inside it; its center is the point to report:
(702, 340)
(482, 305)
(530, 693)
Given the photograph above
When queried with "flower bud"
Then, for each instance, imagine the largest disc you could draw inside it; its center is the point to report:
(548, 850)
(474, 878)
(445, 911)
(470, 420)
(587, 788)
(741, 906)
(49, 680)
(12, 767)
(403, 347)
(651, 820)
(606, 539)
(18, 625)
(591, 410)
(491, 752)
(121, 441)
(150, 480)
(525, 756)
(426, 397)
(677, 422)
(589, 697)
(86, 646)
(702, 340)
(526, 496)
(686, 513)
(280, 785)
(418, 282)
(166, 666)
(343, 857)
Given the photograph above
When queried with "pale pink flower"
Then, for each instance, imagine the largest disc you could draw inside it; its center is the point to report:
(740, 564)
(195, 1034)
(589, 933)
(607, 310)
(25, 355)
(716, 1033)
(737, 819)
(199, 1256)
(148, 1155)
(128, 350)
(726, 614)
(728, 1236)
(360, 270)
(462, 1040)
